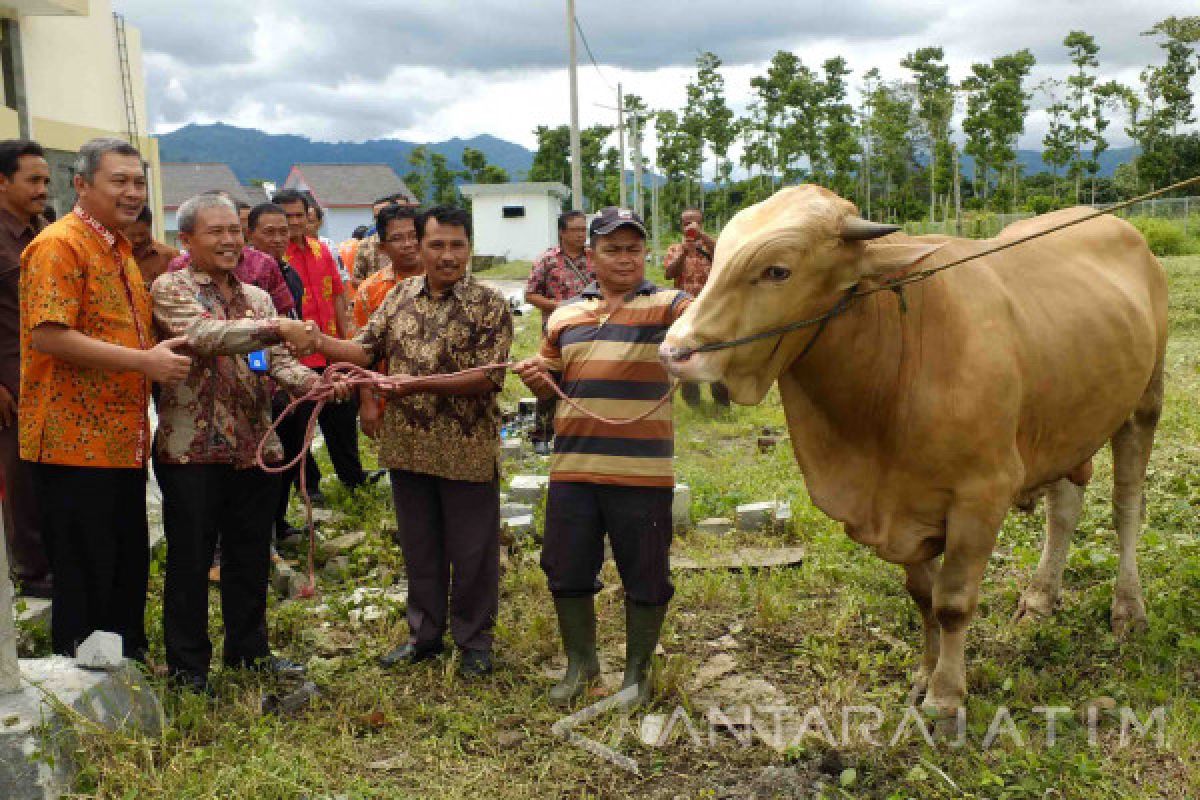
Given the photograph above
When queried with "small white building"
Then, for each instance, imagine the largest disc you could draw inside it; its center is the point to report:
(515, 220)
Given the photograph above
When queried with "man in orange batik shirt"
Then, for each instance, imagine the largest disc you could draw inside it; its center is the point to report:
(88, 354)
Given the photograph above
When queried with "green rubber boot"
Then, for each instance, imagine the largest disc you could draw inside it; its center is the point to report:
(642, 627)
(577, 625)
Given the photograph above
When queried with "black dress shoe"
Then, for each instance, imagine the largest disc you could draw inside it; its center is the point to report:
(270, 665)
(411, 653)
(193, 682)
(288, 531)
(37, 587)
(475, 663)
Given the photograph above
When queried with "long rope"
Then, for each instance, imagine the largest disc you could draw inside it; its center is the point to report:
(898, 284)
(343, 374)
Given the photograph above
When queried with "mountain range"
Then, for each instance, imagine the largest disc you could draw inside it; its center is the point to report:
(255, 155)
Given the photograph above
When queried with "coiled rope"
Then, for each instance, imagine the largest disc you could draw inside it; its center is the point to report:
(336, 377)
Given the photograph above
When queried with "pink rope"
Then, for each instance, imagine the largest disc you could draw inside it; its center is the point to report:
(324, 391)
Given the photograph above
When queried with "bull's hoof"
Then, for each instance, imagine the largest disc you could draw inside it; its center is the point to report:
(1035, 604)
(939, 710)
(1128, 618)
(920, 683)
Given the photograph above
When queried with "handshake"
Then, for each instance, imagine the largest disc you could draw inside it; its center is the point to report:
(301, 337)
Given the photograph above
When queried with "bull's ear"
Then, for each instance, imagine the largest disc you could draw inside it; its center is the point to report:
(880, 259)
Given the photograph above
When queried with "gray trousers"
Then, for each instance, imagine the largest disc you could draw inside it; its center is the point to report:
(450, 537)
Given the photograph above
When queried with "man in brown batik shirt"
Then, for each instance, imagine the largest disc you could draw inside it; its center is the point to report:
(440, 438)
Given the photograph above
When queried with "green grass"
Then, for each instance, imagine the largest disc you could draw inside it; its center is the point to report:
(510, 270)
(840, 630)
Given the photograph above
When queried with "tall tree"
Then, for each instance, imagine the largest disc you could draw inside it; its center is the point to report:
(478, 170)
(441, 180)
(1170, 85)
(673, 156)
(935, 107)
(772, 89)
(720, 129)
(839, 136)
(417, 178)
(1056, 144)
(692, 125)
(997, 104)
(893, 148)
(592, 151)
(552, 159)
(1082, 50)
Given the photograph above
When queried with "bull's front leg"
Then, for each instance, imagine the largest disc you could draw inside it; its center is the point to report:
(971, 529)
(918, 579)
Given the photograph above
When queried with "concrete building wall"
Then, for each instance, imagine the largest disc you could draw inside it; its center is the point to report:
(74, 90)
(340, 223)
(523, 237)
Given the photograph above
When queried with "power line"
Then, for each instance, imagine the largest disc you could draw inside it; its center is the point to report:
(588, 48)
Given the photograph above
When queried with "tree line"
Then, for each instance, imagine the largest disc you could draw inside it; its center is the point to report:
(894, 150)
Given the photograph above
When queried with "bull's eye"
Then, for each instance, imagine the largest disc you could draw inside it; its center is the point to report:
(776, 274)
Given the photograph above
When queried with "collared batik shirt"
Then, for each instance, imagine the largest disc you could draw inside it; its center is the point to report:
(80, 275)
(369, 258)
(559, 277)
(220, 413)
(417, 333)
(693, 273)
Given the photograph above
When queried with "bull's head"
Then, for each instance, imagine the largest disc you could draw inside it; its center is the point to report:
(785, 259)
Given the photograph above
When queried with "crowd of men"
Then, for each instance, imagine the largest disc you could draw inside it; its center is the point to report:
(99, 322)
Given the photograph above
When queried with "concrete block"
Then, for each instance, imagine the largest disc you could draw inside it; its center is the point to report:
(528, 488)
(336, 568)
(100, 650)
(756, 516)
(718, 526)
(519, 527)
(681, 506)
(36, 611)
(37, 737)
(783, 516)
(511, 448)
(340, 545)
(510, 510)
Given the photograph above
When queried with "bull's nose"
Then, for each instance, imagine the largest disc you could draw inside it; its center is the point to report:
(674, 354)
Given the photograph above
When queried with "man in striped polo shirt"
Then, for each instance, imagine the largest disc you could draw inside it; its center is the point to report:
(601, 347)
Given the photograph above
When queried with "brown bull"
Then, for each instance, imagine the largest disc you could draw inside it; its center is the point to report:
(918, 430)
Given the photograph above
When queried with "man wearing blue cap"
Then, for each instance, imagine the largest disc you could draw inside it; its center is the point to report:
(616, 480)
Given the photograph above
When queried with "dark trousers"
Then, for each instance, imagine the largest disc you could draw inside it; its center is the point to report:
(198, 501)
(28, 559)
(638, 523)
(450, 537)
(339, 424)
(543, 421)
(291, 436)
(95, 522)
(691, 393)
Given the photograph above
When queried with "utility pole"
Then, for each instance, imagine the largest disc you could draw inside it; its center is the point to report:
(576, 164)
(654, 213)
(638, 204)
(621, 146)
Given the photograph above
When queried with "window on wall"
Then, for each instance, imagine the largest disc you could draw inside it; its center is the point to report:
(512, 212)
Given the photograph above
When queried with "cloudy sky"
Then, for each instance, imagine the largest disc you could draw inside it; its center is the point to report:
(427, 70)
